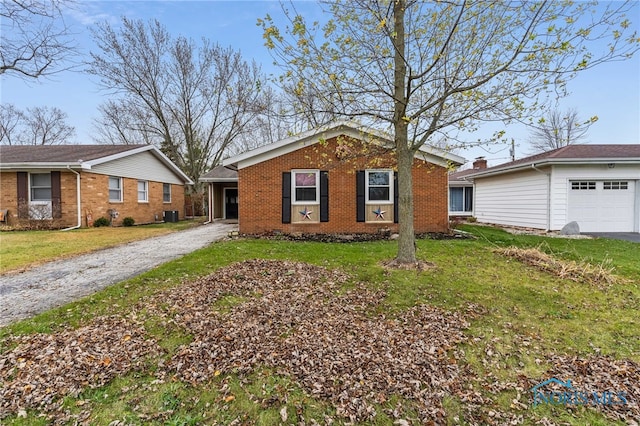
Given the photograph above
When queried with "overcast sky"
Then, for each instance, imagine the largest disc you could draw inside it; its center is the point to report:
(610, 91)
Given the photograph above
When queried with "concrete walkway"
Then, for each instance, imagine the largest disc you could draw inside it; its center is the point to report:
(25, 294)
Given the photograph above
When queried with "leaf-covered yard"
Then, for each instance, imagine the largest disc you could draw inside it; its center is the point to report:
(279, 332)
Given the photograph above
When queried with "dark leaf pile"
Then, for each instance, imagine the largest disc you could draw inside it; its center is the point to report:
(300, 321)
(42, 368)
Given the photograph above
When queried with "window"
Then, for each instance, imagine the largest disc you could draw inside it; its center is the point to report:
(580, 186)
(609, 185)
(41, 187)
(115, 188)
(166, 192)
(143, 195)
(305, 186)
(379, 186)
(461, 199)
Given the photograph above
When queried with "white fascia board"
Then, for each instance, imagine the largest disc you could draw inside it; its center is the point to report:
(290, 144)
(446, 158)
(40, 166)
(555, 162)
(346, 128)
(155, 151)
(89, 163)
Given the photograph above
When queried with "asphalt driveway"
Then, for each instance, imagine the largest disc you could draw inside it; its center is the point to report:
(25, 294)
(627, 236)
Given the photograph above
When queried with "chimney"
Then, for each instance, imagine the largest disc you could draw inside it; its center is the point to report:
(480, 163)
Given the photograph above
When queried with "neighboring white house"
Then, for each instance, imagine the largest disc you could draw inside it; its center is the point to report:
(597, 186)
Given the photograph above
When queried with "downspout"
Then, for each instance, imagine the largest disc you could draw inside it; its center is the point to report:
(77, 198)
(533, 166)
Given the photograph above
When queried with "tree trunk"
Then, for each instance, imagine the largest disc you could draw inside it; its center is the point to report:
(406, 241)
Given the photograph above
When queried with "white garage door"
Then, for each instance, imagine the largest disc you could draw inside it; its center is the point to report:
(602, 206)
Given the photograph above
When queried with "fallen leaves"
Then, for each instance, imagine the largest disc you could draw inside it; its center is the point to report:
(600, 276)
(42, 368)
(318, 329)
(298, 320)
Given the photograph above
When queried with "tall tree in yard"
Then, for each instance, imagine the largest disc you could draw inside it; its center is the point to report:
(192, 100)
(423, 70)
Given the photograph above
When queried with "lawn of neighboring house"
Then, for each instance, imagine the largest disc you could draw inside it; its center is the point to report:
(275, 331)
(22, 249)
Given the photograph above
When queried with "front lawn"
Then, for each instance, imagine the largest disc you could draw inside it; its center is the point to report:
(279, 332)
(22, 249)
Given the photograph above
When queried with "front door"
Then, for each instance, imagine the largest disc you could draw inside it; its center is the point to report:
(231, 203)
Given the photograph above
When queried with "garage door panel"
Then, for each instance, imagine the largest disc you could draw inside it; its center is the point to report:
(602, 206)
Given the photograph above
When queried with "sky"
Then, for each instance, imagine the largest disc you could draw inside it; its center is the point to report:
(610, 91)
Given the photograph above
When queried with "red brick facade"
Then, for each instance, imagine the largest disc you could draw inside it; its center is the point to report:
(260, 193)
(94, 190)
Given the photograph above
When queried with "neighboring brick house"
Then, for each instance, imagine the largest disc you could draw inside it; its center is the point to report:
(318, 182)
(72, 185)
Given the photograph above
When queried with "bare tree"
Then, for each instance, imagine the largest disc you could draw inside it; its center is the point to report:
(559, 129)
(36, 126)
(425, 69)
(10, 121)
(122, 122)
(193, 101)
(35, 39)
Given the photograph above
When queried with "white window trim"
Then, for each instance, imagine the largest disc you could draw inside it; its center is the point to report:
(366, 187)
(464, 200)
(31, 188)
(163, 200)
(109, 189)
(145, 191)
(293, 186)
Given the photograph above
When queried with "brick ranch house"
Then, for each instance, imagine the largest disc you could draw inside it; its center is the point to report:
(72, 185)
(320, 182)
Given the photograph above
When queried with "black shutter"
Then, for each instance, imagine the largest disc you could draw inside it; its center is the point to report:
(324, 196)
(360, 198)
(56, 195)
(286, 197)
(23, 195)
(396, 197)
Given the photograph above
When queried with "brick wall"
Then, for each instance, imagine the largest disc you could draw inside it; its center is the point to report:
(260, 193)
(95, 198)
(9, 195)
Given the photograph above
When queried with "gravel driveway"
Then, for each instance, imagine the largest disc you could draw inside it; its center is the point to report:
(25, 294)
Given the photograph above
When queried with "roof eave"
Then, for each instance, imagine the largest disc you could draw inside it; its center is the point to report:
(554, 162)
(39, 165)
(329, 131)
(218, 180)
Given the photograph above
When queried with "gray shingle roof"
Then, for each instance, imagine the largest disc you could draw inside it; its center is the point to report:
(59, 153)
(572, 153)
(219, 173)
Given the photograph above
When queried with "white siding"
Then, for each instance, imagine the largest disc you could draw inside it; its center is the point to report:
(143, 166)
(516, 199)
(563, 174)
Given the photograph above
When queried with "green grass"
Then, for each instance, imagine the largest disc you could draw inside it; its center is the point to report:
(525, 314)
(20, 249)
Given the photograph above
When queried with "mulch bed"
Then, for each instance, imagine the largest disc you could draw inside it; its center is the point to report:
(358, 237)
